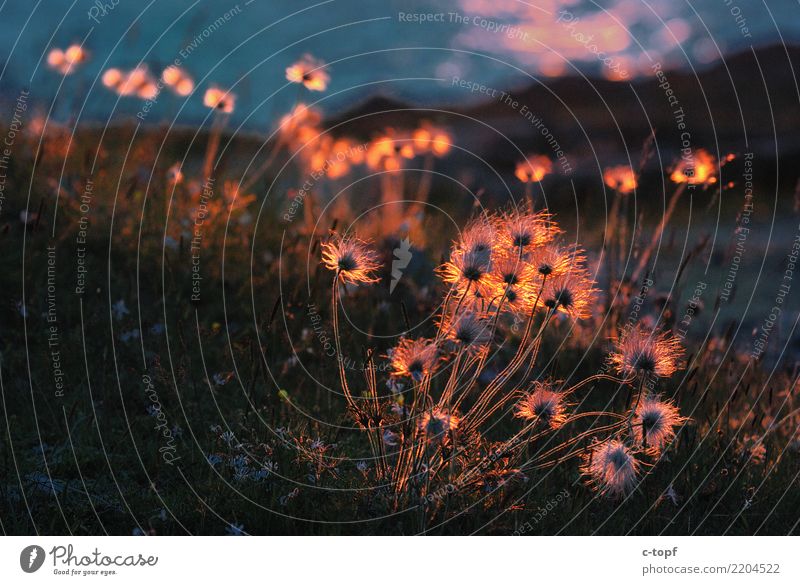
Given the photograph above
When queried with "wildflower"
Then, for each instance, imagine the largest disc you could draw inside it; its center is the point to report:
(554, 260)
(699, 168)
(478, 238)
(533, 169)
(436, 422)
(219, 99)
(570, 293)
(112, 78)
(310, 72)
(65, 61)
(467, 269)
(646, 352)
(468, 329)
(672, 495)
(513, 279)
(351, 259)
(654, 422)
(524, 231)
(178, 80)
(387, 152)
(622, 178)
(427, 138)
(415, 358)
(471, 257)
(544, 404)
(612, 468)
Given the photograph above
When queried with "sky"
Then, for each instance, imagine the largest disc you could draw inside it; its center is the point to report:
(410, 50)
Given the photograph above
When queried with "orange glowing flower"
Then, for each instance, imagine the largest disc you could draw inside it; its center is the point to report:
(612, 468)
(137, 82)
(382, 155)
(352, 259)
(388, 151)
(478, 237)
(555, 260)
(646, 352)
(654, 424)
(533, 169)
(414, 358)
(437, 422)
(112, 78)
(697, 168)
(523, 231)
(622, 178)
(219, 99)
(512, 278)
(544, 404)
(428, 138)
(571, 293)
(310, 72)
(468, 329)
(178, 80)
(66, 61)
(467, 269)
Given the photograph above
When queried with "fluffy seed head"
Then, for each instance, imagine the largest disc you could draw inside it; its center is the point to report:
(352, 259)
(414, 358)
(622, 178)
(612, 468)
(533, 169)
(571, 293)
(654, 424)
(542, 403)
(310, 72)
(699, 168)
(645, 352)
(436, 422)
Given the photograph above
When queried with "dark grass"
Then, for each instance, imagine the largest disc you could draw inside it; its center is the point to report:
(89, 462)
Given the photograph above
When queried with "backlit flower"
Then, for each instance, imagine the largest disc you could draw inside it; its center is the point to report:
(644, 352)
(571, 293)
(524, 231)
(178, 80)
(352, 260)
(533, 169)
(622, 178)
(555, 260)
(415, 358)
(310, 72)
(654, 423)
(612, 468)
(138, 82)
(65, 61)
(513, 278)
(697, 168)
(467, 329)
(428, 138)
(544, 404)
(219, 99)
(436, 422)
(467, 270)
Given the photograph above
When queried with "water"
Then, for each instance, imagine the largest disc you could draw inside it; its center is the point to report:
(374, 47)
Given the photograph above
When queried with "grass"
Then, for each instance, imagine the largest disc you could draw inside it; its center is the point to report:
(223, 414)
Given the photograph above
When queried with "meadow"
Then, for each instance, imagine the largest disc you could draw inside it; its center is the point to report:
(320, 331)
